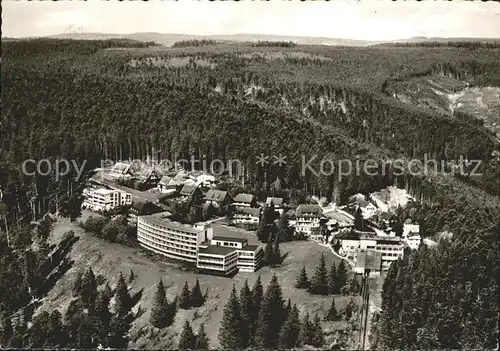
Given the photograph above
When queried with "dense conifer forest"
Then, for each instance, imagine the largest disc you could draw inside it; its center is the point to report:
(117, 99)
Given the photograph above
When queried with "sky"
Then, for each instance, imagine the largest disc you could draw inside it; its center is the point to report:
(363, 20)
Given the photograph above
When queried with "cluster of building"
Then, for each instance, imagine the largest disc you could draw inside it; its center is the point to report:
(215, 249)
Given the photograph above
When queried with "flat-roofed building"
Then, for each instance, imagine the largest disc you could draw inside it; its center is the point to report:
(172, 239)
(219, 260)
(101, 199)
(217, 255)
(391, 248)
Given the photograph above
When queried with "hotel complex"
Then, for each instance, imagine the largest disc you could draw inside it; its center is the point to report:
(212, 247)
(101, 199)
(391, 248)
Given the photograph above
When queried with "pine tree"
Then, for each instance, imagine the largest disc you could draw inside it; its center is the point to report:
(103, 316)
(271, 316)
(302, 280)
(276, 254)
(184, 301)
(319, 282)
(122, 298)
(306, 331)
(332, 280)
(290, 330)
(196, 297)
(160, 305)
(268, 253)
(202, 340)
(332, 314)
(230, 328)
(358, 219)
(246, 305)
(89, 289)
(349, 309)
(318, 339)
(7, 331)
(77, 286)
(355, 287)
(257, 296)
(284, 232)
(341, 276)
(73, 317)
(263, 231)
(187, 340)
(288, 308)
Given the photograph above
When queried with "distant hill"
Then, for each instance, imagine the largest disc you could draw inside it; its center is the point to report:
(168, 39)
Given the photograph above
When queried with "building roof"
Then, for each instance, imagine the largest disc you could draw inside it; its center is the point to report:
(244, 198)
(247, 210)
(188, 190)
(277, 201)
(164, 180)
(308, 210)
(120, 167)
(251, 248)
(369, 259)
(217, 250)
(216, 195)
(229, 238)
(103, 191)
(162, 219)
(386, 216)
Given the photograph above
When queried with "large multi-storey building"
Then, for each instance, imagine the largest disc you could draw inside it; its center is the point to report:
(226, 255)
(307, 218)
(217, 253)
(101, 199)
(391, 248)
(172, 239)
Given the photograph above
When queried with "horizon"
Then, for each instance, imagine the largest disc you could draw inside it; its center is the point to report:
(348, 20)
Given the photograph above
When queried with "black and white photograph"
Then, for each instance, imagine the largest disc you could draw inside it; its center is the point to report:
(250, 175)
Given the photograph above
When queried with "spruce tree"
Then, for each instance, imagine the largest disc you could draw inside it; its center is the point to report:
(187, 340)
(246, 305)
(263, 231)
(77, 286)
(306, 331)
(358, 219)
(284, 232)
(355, 287)
(318, 337)
(7, 331)
(302, 280)
(103, 316)
(332, 314)
(122, 298)
(196, 297)
(72, 318)
(160, 305)
(332, 280)
(257, 296)
(288, 308)
(271, 316)
(319, 282)
(290, 330)
(276, 255)
(268, 253)
(230, 327)
(202, 340)
(341, 276)
(184, 299)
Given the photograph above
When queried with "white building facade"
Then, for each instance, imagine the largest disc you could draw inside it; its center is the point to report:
(105, 199)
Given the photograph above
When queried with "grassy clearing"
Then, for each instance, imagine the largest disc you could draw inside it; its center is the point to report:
(109, 259)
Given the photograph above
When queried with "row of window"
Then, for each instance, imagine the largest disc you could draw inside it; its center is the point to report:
(167, 235)
(167, 240)
(170, 253)
(167, 248)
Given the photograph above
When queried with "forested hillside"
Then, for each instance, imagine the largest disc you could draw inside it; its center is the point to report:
(88, 100)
